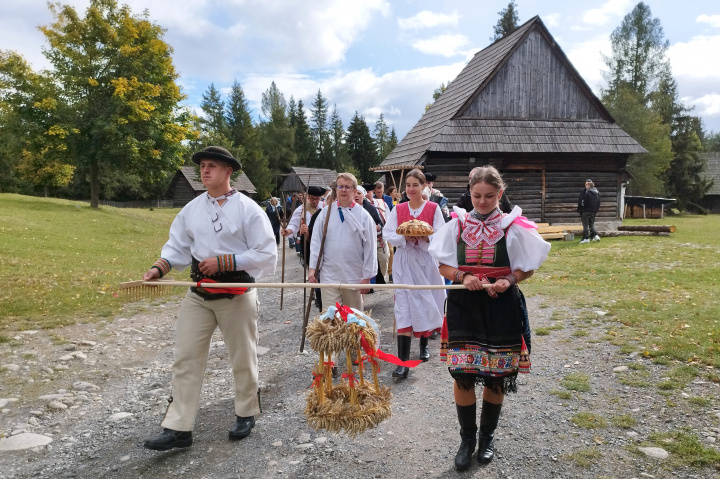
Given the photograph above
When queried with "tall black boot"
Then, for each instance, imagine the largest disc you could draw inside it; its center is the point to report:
(468, 428)
(404, 354)
(488, 422)
(424, 350)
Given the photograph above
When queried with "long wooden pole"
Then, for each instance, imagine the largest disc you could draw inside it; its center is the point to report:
(132, 284)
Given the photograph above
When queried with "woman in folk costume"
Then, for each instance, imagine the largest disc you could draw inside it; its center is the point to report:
(485, 326)
(417, 312)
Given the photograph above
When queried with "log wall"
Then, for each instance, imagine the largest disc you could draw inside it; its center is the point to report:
(547, 189)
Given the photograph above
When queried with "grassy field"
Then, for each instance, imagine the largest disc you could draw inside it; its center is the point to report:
(661, 294)
(61, 262)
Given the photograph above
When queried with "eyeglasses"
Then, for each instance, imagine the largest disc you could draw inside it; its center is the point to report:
(216, 224)
(344, 188)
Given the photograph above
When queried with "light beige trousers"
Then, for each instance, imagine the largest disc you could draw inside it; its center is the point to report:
(237, 319)
(348, 297)
(383, 255)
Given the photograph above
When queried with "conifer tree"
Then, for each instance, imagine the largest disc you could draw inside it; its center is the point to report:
(215, 122)
(381, 136)
(304, 147)
(507, 23)
(319, 129)
(340, 157)
(361, 147)
(277, 137)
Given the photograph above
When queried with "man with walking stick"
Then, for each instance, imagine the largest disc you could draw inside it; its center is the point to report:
(349, 252)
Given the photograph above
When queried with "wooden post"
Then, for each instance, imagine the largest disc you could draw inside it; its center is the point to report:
(542, 198)
(360, 365)
(320, 388)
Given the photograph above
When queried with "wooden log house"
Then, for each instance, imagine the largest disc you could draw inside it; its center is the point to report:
(521, 106)
(711, 200)
(301, 177)
(186, 185)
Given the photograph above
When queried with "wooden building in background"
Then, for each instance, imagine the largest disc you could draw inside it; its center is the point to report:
(521, 106)
(186, 185)
(301, 177)
(711, 200)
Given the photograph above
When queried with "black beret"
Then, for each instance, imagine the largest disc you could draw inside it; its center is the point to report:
(217, 153)
(316, 190)
(368, 186)
(430, 176)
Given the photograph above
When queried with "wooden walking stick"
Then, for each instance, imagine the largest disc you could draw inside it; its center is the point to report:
(302, 222)
(284, 223)
(306, 312)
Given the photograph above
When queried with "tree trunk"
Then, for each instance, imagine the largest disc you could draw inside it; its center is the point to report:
(45, 189)
(633, 233)
(94, 184)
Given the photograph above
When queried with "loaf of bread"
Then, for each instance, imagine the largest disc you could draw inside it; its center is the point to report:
(414, 228)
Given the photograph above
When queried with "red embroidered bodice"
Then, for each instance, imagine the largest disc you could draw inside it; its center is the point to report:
(427, 214)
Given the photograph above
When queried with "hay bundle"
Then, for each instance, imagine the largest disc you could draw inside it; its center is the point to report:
(352, 405)
(336, 413)
(335, 335)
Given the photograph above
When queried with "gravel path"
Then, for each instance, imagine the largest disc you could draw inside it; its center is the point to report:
(102, 390)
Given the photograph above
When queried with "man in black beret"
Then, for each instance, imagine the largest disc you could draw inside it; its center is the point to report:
(298, 224)
(204, 237)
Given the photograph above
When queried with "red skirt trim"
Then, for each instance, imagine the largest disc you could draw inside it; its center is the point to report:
(419, 334)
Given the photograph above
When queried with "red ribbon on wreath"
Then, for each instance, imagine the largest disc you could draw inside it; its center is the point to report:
(317, 379)
(351, 378)
(385, 356)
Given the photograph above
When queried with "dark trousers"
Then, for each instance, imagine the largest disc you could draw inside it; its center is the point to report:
(588, 222)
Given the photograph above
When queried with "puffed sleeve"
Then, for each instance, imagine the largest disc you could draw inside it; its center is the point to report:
(260, 258)
(177, 249)
(526, 248)
(443, 246)
(389, 230)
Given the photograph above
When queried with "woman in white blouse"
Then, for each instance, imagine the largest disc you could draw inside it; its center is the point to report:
(418, 313)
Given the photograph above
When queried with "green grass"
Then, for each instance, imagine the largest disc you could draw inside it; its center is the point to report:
(685, 448)
(585, 457)
(576, 382)
(61, 261)
(662, 293)
(588, 420)
(624, 421)
(561, 394)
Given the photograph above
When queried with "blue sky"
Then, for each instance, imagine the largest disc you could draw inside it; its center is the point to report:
(384, 56)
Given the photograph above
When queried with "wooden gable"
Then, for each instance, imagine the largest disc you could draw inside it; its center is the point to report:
(536, 82)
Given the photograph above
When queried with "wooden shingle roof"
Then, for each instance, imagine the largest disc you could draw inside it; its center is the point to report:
(241, 183)
(499, 85)
(191, 175)
(712, 172)
(301, 177)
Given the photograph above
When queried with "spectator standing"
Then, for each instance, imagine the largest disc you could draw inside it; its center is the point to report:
(588, 206)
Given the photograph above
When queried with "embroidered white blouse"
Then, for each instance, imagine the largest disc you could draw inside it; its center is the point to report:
(526, 248)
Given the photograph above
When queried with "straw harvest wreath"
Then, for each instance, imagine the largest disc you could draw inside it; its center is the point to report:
(354, 404)
(414, 228)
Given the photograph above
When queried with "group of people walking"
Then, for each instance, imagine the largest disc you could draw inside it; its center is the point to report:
(226, 237)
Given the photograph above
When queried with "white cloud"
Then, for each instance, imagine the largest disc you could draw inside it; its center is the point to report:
(426, 19)
(609, 10)
(551, 20)
(708, 104)
(699, 57)
(586, 57)
(445, 45)
(401, 95)
(712, 20)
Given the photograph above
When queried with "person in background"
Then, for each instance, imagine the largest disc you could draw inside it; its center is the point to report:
(588, 206)
(274, 212)
(298, 225)
(379, 188)
(488, 252)
(393, 193)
